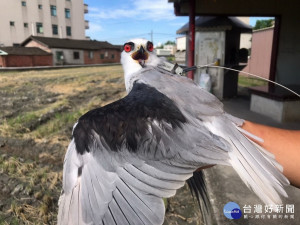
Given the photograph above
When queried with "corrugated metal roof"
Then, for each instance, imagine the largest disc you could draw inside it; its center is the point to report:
(22, 51)
(215, 23)
(70, 43)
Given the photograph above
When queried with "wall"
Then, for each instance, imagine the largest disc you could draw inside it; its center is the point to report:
(2, 61)
(245, 41)
(25, 61)
(181, 43)
(107, 56)
(210, 46)
(68, 57)
(260, 60)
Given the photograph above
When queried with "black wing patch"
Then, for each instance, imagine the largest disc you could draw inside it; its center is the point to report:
(123, 121)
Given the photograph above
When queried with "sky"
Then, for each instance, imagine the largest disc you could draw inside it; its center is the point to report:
(253, 19)
(118, 21)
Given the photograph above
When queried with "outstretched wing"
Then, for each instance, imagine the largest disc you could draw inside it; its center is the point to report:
(125, 157)
(256, 167)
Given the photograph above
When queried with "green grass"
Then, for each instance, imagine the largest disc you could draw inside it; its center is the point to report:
(55, 125)
(250, 82)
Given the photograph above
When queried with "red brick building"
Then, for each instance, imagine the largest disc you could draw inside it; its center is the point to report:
(24, 57)
(76, 52)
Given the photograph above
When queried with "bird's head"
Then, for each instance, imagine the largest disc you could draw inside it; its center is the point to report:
(136, 55)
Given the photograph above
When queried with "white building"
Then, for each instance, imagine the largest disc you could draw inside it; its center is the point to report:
(181, 43)
(167, 50)
(245, 41)
(49, 18)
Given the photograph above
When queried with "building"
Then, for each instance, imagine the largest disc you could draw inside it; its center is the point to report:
(180, 54)
(271, 101)
(75, 52)
(246, 38)
(167, 50)
(181, 43)
(49, 18)
(24, 57)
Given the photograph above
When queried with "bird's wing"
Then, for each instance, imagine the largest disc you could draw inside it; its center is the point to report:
(191, 98)
(256, 167)
(126, 156)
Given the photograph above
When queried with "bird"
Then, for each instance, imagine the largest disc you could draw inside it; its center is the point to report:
(125, 157)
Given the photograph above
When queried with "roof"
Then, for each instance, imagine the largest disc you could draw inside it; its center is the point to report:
(70, 43)
(22, 51)
(214, 23)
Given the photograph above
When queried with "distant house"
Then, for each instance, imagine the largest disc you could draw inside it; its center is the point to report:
(24, 57)
(180, 54)
(167, 50)
(76, 52)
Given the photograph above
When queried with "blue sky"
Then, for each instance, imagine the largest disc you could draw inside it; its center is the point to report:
(253, 19)
(117, 21)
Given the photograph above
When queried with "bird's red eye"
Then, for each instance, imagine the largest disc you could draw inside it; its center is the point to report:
(127, 48)
(150, 46)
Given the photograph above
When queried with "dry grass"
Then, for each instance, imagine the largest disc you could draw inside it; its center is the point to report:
(38, 110)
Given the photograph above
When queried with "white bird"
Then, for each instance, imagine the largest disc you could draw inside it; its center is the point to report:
(128, 155)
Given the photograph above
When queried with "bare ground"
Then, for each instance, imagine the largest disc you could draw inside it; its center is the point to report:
(37, 112)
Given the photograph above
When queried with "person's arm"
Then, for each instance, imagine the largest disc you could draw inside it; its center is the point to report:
(284, 144)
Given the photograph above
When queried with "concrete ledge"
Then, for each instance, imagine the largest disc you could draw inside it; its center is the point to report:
(224, 185)
(280, 111)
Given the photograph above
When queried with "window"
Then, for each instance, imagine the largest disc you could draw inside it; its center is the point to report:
(112, 56)
(91, 54)
(69, 31)
(106, 54)
(39, 28)
(59, 56)
(53, 10)
(54, 29)
(12, 23)
(76, 55)
(68, 13)
(101, 56)
(40, 6)
(26, 25)
(23, 3)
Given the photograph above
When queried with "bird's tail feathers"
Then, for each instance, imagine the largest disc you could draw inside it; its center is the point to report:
(256, 167)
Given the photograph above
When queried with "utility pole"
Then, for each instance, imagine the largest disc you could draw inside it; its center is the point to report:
(151, 36)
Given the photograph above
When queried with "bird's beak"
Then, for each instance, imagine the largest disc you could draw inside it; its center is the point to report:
(140, 56)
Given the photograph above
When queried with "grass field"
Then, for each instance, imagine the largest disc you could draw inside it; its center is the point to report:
(245, 81)
(38, 110)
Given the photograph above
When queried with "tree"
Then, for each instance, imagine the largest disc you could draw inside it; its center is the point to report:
(260, 24)
(170, 43)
